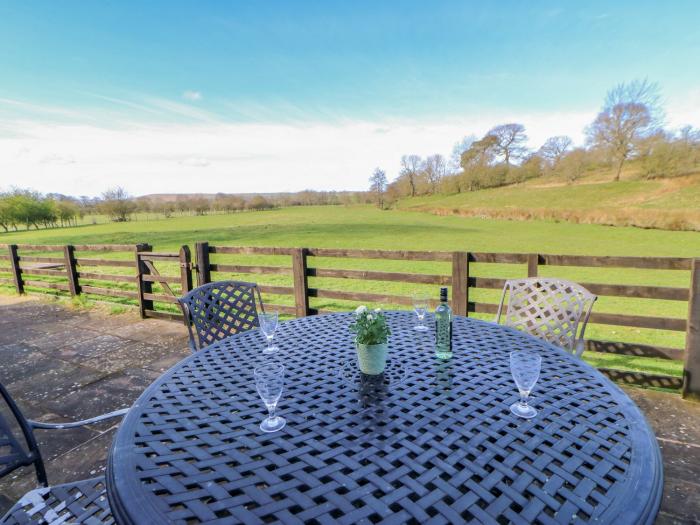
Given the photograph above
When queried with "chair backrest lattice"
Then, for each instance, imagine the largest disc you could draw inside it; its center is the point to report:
(554, 310)
(215, 311)
(18, 447)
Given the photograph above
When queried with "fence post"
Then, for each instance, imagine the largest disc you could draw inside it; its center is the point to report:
(532, 262)
(460, 286)
(691, 369)
(71, 270)
(185, 269)
(15, 267)
(143, 286)
(201, 250)
(301, 283)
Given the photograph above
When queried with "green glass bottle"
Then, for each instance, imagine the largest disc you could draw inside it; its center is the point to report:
(443, 327)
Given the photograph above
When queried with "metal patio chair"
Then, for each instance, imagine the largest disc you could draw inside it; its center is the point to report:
(552, 309)
(82, 502)
(215, 311)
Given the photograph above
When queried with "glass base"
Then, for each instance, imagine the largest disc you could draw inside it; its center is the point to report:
(273, 424)
(523, 411)
(420, 328)
(270, 349)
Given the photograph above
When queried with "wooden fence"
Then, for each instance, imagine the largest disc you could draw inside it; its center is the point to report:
(74, 271)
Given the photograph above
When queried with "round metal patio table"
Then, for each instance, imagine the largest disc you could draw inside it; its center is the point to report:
(427, 442)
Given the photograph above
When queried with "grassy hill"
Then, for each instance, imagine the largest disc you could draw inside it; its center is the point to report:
(661, 203)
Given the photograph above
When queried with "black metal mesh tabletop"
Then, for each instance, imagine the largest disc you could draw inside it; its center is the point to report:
(429, 442)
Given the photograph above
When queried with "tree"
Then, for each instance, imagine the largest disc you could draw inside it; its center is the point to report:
(200, 205)
(117, 204)
(7, 215)
(554, 149)
(457, 150)
(434, 169)
(66, 211)
(165, 208)
(509, 141)
(410, 169)
(377, 185)
(630, 112)
(259, 202)
(481, 153)
(573, 164)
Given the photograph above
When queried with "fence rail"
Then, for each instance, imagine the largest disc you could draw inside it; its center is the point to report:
(71, 271)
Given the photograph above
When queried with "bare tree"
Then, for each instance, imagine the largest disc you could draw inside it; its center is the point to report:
(509, 141)
(554, 149)
(378, 183)
(460, 147)
(631, 112)
(689, 136)
(117, 204)
(410, 169)
(434, 169)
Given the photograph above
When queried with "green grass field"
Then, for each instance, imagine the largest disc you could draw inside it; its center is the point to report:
(367, 227)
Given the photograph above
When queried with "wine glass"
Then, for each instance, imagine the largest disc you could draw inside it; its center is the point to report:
(269, 380)
(525, 366)
(268, 324)
(420, 306)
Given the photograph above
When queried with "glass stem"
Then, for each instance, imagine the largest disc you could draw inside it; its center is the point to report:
(271, 411)
(523, 399)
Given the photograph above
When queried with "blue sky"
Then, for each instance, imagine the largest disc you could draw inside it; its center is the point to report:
(363, 82)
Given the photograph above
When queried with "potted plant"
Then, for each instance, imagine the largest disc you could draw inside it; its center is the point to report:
(371, 339)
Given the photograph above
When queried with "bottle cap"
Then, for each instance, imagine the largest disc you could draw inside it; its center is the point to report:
(443, 294)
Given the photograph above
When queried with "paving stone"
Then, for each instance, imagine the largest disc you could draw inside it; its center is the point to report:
(168, 361)
(681, 461)
(57, 339)
(669, 415)
(51, 381)
(17, 333)
(128, 354)
(110, 322)
(96, 346)
(113, 392)
(18, 360)
(143, 330)
(681, 501)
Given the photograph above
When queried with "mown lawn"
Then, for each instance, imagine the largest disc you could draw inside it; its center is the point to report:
(367, 227)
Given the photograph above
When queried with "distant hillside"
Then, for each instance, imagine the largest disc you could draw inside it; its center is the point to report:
(672, 203)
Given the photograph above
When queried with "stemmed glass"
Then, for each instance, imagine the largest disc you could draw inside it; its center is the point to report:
(268, 324)
(269, 380)
(525, 366)
(420, 306)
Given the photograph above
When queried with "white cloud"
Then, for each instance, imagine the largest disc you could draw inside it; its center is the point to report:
(192, 95)
(198, 162)
(54, 158)
(684, 110)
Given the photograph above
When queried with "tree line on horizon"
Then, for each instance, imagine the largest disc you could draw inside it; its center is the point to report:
(628, 127)
(22, 208)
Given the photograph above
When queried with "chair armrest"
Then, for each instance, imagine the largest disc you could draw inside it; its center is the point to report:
(61, 426)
